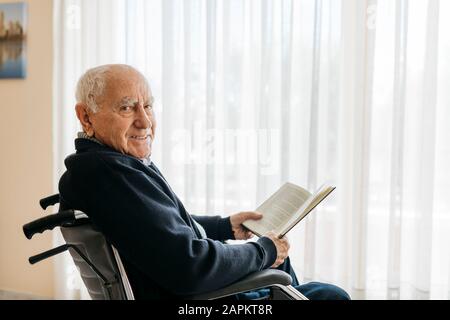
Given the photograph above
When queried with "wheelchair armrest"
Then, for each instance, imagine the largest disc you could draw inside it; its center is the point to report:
(254, 281)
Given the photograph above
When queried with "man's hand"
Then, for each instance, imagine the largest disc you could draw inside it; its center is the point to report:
(240, 232)
(282, 246)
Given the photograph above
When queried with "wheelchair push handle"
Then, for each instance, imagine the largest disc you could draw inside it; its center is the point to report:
(48, 222)
(49, 201)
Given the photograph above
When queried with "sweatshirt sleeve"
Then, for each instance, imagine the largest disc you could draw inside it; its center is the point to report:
(145, 226)
(216, 227)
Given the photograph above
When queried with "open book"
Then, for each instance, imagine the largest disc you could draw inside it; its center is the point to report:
(285, 208)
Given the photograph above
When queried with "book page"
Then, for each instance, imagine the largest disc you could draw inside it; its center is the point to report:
(307, 207)
(279, 209)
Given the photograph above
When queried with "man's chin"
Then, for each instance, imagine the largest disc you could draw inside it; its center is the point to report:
(140, 152)
(142, 155)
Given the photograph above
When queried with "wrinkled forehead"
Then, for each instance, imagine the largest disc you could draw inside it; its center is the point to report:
(126, 86)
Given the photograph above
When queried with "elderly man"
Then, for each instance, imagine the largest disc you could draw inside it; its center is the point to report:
(166, 251)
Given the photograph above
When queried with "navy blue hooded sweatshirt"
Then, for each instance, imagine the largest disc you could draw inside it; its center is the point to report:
(162, 249)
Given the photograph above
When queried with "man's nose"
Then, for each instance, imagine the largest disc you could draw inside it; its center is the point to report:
(143, 119)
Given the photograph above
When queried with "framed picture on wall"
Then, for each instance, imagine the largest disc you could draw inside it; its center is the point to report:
(13, 48)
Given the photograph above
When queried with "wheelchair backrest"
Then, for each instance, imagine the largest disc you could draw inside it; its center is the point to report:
(93, 245)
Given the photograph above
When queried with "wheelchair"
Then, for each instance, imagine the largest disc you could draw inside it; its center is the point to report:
(104, 275)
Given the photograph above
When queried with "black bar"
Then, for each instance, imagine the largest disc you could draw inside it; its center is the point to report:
(62, 248)
(48, 254)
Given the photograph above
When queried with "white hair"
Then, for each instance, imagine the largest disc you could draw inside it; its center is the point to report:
(92, 83)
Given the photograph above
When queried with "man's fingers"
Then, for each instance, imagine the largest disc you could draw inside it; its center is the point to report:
(285, 242)
(277, 263)
(253, 215)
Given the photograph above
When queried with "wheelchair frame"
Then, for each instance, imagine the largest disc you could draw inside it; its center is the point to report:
(101, 267)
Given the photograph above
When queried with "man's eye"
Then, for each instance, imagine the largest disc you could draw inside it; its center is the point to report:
(148, 107)
(125, 108)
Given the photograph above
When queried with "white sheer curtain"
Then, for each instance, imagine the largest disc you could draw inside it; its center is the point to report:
(250, 94)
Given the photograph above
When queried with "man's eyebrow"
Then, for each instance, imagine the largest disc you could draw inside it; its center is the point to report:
(128, 100)
(133, 101)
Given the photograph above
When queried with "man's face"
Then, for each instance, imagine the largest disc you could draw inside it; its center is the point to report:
(125, 119)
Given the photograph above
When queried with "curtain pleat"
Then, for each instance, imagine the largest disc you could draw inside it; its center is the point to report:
(426, 162)
(397, 158)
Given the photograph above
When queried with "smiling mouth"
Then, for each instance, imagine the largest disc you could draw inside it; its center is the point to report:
(140, 137)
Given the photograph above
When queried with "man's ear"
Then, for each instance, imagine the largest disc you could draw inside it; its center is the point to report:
(84, 115)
